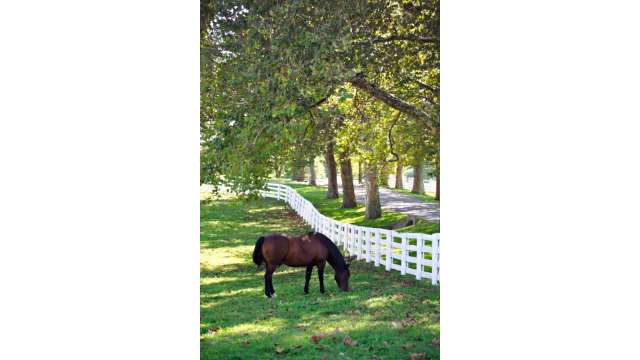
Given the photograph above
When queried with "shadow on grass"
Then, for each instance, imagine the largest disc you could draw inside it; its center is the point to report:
(385, 314)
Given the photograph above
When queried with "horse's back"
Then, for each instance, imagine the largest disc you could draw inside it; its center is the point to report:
(294, 250)
(305, 250)
(275, 248)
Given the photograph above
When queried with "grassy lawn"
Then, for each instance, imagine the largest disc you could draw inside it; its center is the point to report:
(386, 315)
(331, 208)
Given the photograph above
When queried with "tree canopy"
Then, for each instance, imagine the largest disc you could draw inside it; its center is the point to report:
(281, 79)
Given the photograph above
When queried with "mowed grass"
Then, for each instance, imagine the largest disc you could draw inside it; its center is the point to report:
(332, 208)
(386, 315)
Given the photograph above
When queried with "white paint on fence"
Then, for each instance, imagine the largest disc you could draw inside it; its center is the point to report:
(381, 246)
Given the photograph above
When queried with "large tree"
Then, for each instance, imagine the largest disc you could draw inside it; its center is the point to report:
(267, 65)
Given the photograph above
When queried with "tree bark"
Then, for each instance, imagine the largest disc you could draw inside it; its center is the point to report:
(297, 169)
(399, 180)
(418, 179)
(346, 174)
(384, 175)
(438, 186)
(438, 178)
(373, 210)
(312, 171)
(297, 173)
(278, 171)
(332, 175)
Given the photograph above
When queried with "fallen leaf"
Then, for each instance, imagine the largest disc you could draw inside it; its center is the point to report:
(315, 339)
(279, 349)
(301, 327)
(416, 356)
(386, 344)
(426, 302)
(213, 330)
(408, 345)
(347, 341)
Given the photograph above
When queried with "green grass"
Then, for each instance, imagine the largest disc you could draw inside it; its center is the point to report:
(424, 197)
(386, 315)
(332, 208)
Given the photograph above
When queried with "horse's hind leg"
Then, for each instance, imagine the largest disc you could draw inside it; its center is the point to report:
(307, 277)
(268, 280)
(321, 276)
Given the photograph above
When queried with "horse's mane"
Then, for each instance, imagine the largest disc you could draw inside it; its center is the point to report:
(335, 258)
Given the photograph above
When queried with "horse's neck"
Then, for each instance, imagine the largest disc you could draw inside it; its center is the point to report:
(333, 262)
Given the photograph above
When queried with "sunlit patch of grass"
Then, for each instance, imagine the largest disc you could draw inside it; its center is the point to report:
(333, 209)
(383, 312)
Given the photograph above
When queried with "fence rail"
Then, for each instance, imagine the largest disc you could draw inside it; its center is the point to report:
(410, 253)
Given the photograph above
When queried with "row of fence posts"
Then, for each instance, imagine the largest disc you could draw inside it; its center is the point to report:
(367, 243)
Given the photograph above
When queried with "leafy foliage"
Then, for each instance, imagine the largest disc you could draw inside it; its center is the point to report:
(279, 79)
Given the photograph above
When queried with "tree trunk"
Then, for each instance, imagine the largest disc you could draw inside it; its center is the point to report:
(438, 179)
(297, 174)
(360, 172)
(418, 180)
(297, 170)
(372, 199)
(278, 171)
(312, 171)
(399, 183)
(346, 174)
(384, 175)
(438, 186)
(332, 175)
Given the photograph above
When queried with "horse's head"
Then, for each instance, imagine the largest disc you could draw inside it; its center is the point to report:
(342, 278)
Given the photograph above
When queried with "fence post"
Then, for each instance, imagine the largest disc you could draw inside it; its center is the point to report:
(368, 236)
(378, 239)
(435, 259)
(403, 255)
(419, 256)
(388, 257)
(360, 240)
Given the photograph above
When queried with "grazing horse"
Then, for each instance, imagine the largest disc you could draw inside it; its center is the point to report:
(313, 249)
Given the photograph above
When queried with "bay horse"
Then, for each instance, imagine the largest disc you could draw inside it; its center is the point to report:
(312, 249)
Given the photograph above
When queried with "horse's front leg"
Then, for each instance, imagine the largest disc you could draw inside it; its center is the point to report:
(268, 280)
(307, 277)
(321, 276)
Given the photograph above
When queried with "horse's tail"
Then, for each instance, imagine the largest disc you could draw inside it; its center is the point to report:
(257, 251)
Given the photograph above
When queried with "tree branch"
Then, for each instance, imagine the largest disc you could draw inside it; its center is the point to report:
(391, 100)
(397, 158)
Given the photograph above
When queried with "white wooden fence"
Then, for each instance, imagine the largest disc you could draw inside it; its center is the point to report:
(410, 253)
